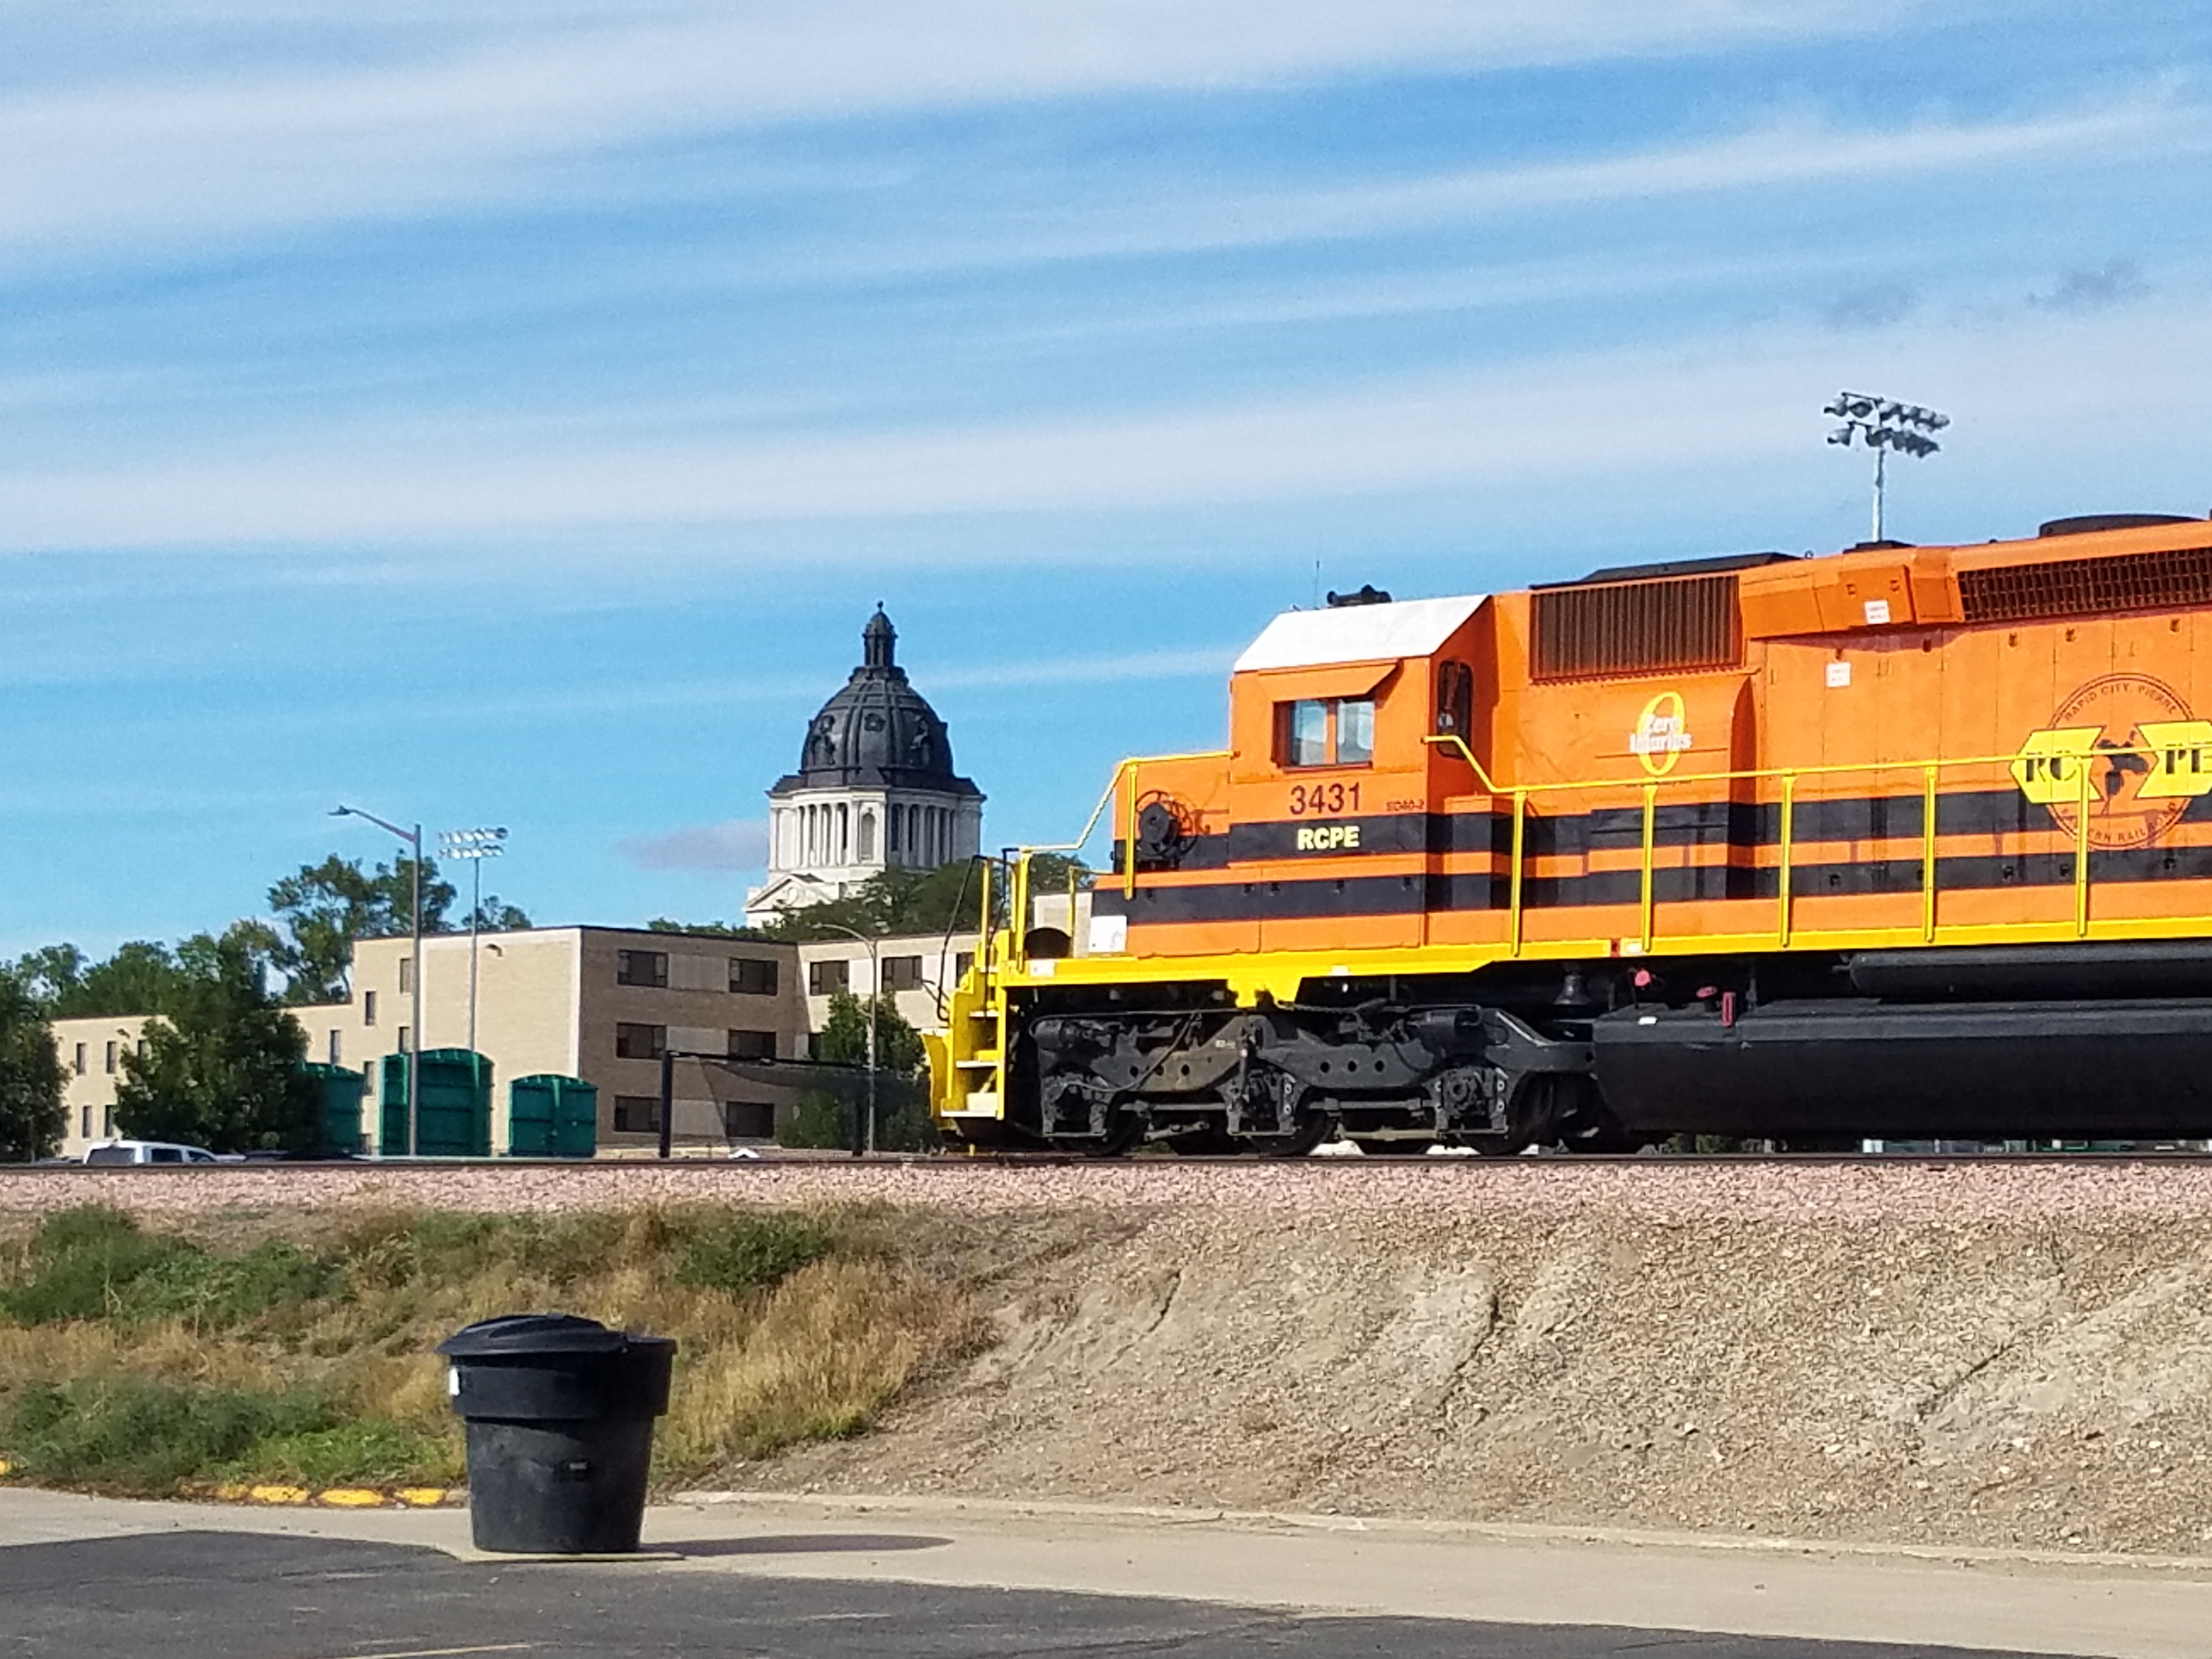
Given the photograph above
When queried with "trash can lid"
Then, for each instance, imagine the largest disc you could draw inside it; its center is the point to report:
(513, 1335)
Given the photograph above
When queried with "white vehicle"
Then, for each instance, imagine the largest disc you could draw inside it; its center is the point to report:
(147, 1152)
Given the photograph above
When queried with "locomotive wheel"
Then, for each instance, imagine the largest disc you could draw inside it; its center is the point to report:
(1313, 1128)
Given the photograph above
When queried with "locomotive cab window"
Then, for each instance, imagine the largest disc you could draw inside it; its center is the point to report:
(1454, 699)
(1326, 731)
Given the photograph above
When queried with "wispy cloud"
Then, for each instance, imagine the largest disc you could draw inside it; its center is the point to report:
(2113, 283)
(740, 844)
(474, 112)
(1537, 421)
(1874, 306)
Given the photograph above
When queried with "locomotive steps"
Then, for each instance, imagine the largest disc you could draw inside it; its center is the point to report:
(1966, 1356)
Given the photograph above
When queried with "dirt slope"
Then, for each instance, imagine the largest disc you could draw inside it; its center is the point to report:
(2038, 1383)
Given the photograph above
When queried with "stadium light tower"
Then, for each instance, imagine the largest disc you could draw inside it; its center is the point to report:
(476, 846)
(1883, 424)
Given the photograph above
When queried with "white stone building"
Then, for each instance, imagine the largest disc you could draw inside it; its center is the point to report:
(875, 790)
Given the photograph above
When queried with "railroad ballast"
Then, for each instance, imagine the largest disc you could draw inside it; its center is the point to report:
(1902, 840)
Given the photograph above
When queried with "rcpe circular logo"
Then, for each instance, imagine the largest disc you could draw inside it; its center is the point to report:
(2120, 703)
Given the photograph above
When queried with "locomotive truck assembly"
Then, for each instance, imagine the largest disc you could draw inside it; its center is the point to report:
(1903, 841)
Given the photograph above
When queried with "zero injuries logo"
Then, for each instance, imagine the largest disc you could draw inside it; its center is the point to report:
(2130, 743)
(1661, 734)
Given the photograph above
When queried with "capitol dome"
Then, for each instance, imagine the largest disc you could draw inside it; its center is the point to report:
(876, 730)
(875, 789)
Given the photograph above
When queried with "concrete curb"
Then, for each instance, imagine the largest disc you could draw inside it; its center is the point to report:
(1385, 1526)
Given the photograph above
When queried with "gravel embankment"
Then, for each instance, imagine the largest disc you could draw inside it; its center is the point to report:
(1653, 1189)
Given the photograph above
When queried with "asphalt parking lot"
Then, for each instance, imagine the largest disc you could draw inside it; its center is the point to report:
(239, 1595)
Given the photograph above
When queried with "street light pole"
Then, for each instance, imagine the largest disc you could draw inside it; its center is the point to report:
(476, 846)
(864, 1138)
(414, 839)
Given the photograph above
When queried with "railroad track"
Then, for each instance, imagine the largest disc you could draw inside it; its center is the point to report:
(955, 1162)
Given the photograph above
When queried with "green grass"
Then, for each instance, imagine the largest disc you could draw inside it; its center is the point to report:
(747, 1250)
(133, 1434)
(95, 1263)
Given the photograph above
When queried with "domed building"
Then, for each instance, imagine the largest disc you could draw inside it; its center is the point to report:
(875, 789)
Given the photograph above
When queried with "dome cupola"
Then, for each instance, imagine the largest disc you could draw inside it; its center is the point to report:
(877, 731)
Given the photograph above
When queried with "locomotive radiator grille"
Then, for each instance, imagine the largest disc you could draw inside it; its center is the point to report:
(1635, 628)
(2085, 588)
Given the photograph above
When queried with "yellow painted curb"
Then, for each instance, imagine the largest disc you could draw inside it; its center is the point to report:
(336, 1497)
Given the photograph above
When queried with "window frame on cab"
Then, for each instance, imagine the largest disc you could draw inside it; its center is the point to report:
(1290, 739)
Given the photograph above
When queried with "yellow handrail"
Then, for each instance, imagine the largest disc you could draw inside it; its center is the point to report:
(1928, 854)
(2082, 853)
(1650, 837)
(1782, 882)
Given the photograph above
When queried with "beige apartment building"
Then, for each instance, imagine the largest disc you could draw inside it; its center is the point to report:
(601, 1004)
(91, 1052)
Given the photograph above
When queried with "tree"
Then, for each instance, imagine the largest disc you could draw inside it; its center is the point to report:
(223, 1064)
(495, 915)
(324, 908)
(136, 980)
(715, 929)
(33, 1119)
(902, 1124)
(947, 899)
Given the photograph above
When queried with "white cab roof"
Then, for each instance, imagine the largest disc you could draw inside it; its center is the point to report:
(1359, 632)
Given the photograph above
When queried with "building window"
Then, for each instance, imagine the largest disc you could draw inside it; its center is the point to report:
(648, 968)
(640, 1041)
(368, 1007)
(337, 1047)
(902, 973)
(752, 1045)
(406, 1040)
(1326, 731)
(107, 1121)
(406, 975)
(84, 1122)
(637, 1115)
(78, 1065)
(748, 1120)
(139, 1048)
(752, 978)
(961, 962)
(111, 1057)
(828, 976)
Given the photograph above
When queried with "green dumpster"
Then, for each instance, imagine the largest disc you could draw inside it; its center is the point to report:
(455, 1119)
(337, 1118)
(548, 1115)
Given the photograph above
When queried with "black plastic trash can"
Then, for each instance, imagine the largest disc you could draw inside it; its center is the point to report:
(559, 1411)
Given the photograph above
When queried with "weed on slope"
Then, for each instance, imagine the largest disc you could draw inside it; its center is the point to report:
(144, 1362)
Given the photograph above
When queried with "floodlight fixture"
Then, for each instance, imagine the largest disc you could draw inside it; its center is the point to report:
(475, 846)
(1884, 425)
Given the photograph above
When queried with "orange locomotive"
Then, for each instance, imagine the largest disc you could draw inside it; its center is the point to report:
(1906, 840)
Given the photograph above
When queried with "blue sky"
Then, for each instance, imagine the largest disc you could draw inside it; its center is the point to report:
(509, 413)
